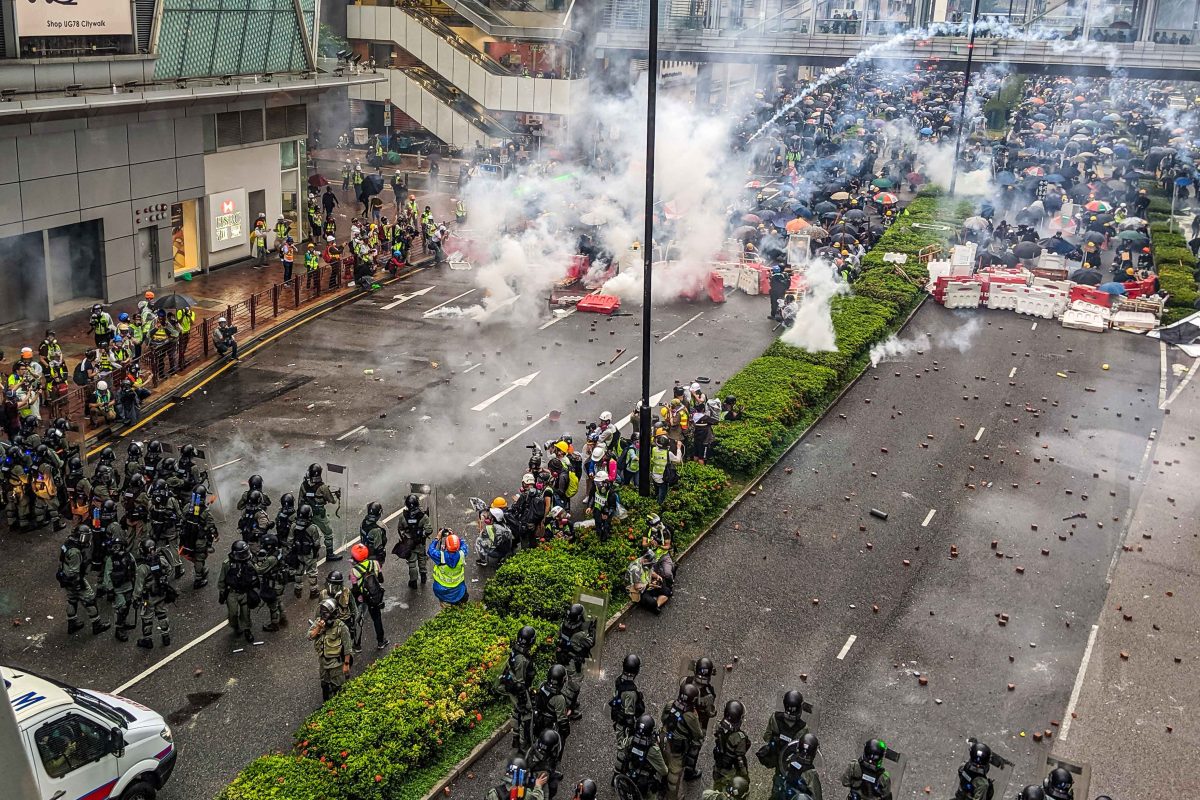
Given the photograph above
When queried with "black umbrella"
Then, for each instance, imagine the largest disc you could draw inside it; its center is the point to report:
(824, 207)
(1056, 245)
(372, 184)
(842, 227)
(173, 301)
(1007, 258)
(1095, 237)
(844, 239)
(1087, 277)
(1027, 250)
(855, 214)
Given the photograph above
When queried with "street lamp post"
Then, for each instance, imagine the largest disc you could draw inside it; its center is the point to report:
(644, 427)
(962, 108)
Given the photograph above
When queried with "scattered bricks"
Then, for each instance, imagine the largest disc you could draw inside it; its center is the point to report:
(995, 543)
(1002, 620)
(1170, 594)
(1033, 527)
(906, 562)
(870, 546)
(1045, 551)
(804, 677)
(971, 467)
(1127, 617)
(841, 416)
(1054, 723)
(884, 450)
(1178, 660)
(954, 551)
(874, 474)
(922, 680)
(1012, 687)
(729, 667)
(787, 470)
(1146, 536)
(862, 527)
(939, 466)
(875, 609)
(846, 498)
(868, 400)
(621, 626)
(1169, 729)
(1011, 659)
(1037, 737)
(816, 601)
(1124, 656)
(1020, 570)
(999, 554)
(929, 436)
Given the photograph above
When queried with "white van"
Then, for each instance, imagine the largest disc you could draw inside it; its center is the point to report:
(87, 744)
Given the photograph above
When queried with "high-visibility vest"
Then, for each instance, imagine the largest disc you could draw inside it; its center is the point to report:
(358, 177)
(449, 576)
(460, 210)
(53, 349)
(634, 461)
(281, 229)
(103, 324)
(658, 461)
(312, 260)
(287, 252)
(185, 316)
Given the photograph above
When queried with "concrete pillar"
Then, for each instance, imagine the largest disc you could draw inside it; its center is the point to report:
(704, 85)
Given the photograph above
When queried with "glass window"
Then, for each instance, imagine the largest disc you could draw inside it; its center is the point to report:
(287, 155)
(69, 743)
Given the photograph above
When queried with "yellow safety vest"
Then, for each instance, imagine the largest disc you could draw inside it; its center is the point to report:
(312, 261)
(447, 575)
(185, 316)
(658, 461)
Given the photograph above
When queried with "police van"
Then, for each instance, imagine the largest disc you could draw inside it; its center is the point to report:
(87, 744)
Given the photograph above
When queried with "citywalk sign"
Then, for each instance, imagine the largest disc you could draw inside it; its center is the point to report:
(73, 18)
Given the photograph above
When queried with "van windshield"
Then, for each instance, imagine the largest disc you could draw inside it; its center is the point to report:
(115, 715)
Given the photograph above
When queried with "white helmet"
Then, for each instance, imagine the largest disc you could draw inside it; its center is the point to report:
(601, 477)
(102, 386)
(527, 478)
(599, 453)
(556, 511)
(695, 387)
(497, 514)
(606, 416)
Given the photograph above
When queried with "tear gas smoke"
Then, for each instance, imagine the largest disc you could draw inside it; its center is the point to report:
(959, 338)
(813, 326)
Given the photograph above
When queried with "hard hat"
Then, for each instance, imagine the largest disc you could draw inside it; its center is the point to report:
(330, 239)
(695, 387)
(599, 453)
(310, 245)
(26, 352)
(562, 447)
(102, 386)
(453, 543)
(499, 502)
(527, 478)
(149, 295)
(606, 416)
(221, 319)
(497, 514)
(359, 552)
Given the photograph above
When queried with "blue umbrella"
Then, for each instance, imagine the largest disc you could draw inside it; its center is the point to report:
(801, 210)
(1183, 181)
(1120, 151)
(926, 131)
(1055, 178)
(1112, 287)
(1060, 246)
(1005, 178)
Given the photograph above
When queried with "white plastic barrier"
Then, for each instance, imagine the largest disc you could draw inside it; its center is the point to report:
(748, 280)
(1134, 321)
(967, 296)
(1091, 308)
(1084, 320)
(1003, 297)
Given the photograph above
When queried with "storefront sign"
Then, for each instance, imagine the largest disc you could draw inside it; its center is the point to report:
(74, 18)
(227, 219)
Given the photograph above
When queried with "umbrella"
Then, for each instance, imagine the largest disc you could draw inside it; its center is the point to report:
(828, 215)
(801, 210)
(817, 232)
(1093, 237)
(1087, 277)
(796, 225)
(753, 185)
(824, 207)
(1055, 178)
(593, 218)
(172, 301)
(841, 228)
(371, 185)
(855, 215)
(915, 178)
(745, 232)
(1129, 223)
(1105, 151)
(1005, 178)
(751, 219)
(844, 239)
(883, 183)
(1007, 258)
(1098, 205)
(975, 223)
(840, 196)
(1133, 236)
(886, 198)
(1035, 171)
(1027, 250)
(1112, 287)
(926, 131)
(317, 181)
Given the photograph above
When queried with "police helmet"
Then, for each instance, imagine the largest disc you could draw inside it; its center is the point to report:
(187, 452)
(104, 472)
(979, 758)
(269, 541)
(688, 694)
(1058, 784)
(200, 491)
(314, 471)
(412, 502)
(661, 441)
(1032, 793)
(149, 547)
(734, 711)
(793, 703)
(304, 513)
(108, 455)
(873, 753)
(108, 511)
(556, 677)
(328, 608)
(704, 667)
(806, 750)
(168, 464)
(586, 790)
(632, 665)
(287, 502)
(516, 766)
(154, 448)
(549, 742)
(255, 482)
(653, 519)
(240, 551)
(254, 498)
(374, 510)
(75, 464)
(644, 726)
(575, 613)
(525, 638)
(159, 487)
(135, 450)
(117, 543)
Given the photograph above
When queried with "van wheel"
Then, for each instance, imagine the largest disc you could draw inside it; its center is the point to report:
(139, 790)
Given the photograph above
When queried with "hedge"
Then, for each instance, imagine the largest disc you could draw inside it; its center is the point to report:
(1173, 261)
(396, 729)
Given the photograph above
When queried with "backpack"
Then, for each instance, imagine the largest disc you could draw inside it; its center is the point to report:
(576, 463)
(372, 590)
(572, 484)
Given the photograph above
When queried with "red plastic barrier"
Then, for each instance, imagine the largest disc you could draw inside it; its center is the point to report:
(1142, 288)
(577, 268)
(599, 304)
(716, 288)
(1089, 295)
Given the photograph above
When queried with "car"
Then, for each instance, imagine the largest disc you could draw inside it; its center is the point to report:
(85, 743)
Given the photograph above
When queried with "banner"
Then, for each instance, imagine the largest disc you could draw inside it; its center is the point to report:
(74, 18)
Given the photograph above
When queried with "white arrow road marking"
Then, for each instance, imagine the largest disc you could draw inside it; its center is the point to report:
(609, 375)
(448, 302)
(681, 327)
(654, 400)
(404, 298)
(517, 384)
(510, 439)
(350, 433)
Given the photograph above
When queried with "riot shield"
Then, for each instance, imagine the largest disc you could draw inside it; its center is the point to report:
(1081, 773)
(811, 717)
(687, 669)
(896, 764)
(788, 754)
(595, 607)
(428, 495)
(625, 787)
(1000, 774)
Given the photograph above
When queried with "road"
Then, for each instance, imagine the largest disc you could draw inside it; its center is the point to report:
(974, 446)
(391, 392)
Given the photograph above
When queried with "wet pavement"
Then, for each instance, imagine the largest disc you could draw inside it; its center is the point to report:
(891, 628)
(308, 397)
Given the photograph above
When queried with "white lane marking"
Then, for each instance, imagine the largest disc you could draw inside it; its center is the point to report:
(928, 517)
(1112, 564)
(1078, 687)
(846, 647)
(1012, 372)
(1034, 328)
(609, 375)
(1162, 370)
(510, 439)
(654, 398)
(681, 327)
(404, 298)
(978, 435)
(153, 668)
(448, 302)
(226, 464)
(1186, 380)
(517, 384)
(348, 434)
(472, 368)
(556, 318)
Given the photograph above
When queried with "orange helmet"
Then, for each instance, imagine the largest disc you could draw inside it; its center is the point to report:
(499, 502)
(360, 552)
(149, 295)
(453, 543)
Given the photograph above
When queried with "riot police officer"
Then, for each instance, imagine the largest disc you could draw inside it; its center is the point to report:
(681, 732)
(253, 522)
(1059, 785)
(347, 607)
(154, 457)
(273, 576)
(576, 638)
(165, 516)
(305, 546)
(738, 789)
(331, 638)
(866, 778)
(189, 474)
(133, 462)
(706, 709)
(783, 728)
(284, 518)
(543, 757)
(800, 780)
(973, 782)
(516, 775)
(152, 591)
(516, 680)
(316, 494)
(730, 746)
(104, 525)
(72, 576)
(199, 533)
(639, 757)
(255, 484)
(1032, 792)
(372, 534)
(628, 704)
(549, 704)
(414, 528)
(238, 589)
(120, 567)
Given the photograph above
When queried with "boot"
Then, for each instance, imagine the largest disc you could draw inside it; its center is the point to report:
(313, 594)
(248, 635)
(99, 626)
(424, 576)
(412, 584)
(146, 642)
(271, 627)
(199, 583)
(166, 640)
(74, 626)
(121, 635)
(178, 571)
(330, 555)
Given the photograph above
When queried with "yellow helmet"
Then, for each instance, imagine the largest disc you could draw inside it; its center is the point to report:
(499, 502)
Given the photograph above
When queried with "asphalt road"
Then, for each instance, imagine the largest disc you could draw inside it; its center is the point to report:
(975, 443)
(308, 397)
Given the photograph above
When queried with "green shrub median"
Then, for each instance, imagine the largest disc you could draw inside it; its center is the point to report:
(396, 729)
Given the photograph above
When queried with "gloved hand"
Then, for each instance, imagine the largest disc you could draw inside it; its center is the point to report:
(222, 597)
